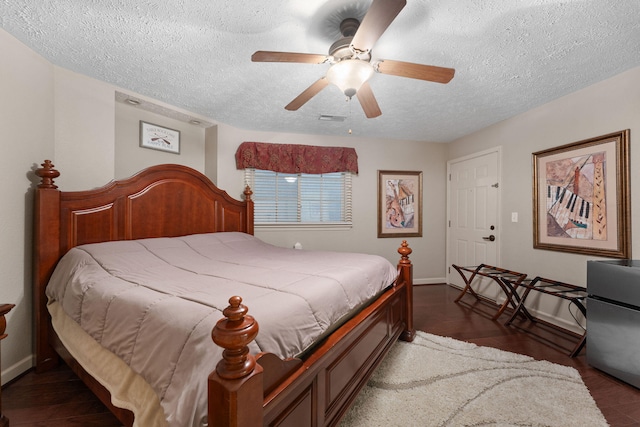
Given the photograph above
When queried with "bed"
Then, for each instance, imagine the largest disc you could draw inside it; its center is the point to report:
(157, 212)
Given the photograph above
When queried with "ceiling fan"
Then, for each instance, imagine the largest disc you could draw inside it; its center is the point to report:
(350, 57)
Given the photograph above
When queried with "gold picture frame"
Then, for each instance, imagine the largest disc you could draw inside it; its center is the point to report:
(399, 204)
(581, 197)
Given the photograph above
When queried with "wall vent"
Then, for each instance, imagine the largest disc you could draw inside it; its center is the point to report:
(330, 118)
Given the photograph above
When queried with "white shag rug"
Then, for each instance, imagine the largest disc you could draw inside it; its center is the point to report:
(439, 381)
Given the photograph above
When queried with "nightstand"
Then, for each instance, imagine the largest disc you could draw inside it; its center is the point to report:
(4, 309)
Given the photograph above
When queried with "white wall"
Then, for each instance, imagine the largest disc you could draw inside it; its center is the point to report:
(84, 130)
(27, 123)
(373, 155)
(131, 158)
(211, 153)
(605, 107)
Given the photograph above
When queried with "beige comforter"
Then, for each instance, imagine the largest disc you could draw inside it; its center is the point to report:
(153, 303)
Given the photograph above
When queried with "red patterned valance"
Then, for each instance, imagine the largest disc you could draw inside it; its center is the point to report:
(292, 158)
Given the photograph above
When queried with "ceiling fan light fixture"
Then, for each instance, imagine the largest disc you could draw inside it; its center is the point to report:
(349, 75)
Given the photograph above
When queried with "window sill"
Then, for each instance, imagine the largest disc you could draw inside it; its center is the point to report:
(303, 226)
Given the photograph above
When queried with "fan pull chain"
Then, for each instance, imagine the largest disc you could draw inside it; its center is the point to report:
(349, 101)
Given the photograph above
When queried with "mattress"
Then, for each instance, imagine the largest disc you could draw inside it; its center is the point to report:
(153, 303)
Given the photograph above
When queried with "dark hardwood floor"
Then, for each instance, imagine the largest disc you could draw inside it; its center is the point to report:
(58, 398)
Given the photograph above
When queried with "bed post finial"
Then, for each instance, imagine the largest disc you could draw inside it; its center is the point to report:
(47, 174)
(247, 193)
(233, 333)
(236, 386)
(404, 250)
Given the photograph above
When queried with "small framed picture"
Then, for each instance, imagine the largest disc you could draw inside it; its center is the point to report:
(159, 138)
(399, 204)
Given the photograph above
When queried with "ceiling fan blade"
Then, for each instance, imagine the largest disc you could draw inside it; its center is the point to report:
(307, 94)
(368, 101)
(416, 71)
(304, 58)
(379, 16)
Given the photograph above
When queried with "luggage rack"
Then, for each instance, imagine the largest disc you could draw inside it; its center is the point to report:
(508, 280)
(512, 282)
(576, 295)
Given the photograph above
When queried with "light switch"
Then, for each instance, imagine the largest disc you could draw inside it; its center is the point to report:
(514, 216)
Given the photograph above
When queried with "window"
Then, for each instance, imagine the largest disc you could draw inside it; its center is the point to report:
(283, 199)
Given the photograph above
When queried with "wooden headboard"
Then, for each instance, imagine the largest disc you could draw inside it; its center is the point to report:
(160, 201)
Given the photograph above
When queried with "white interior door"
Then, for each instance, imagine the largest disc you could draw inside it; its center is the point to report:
(473, 215)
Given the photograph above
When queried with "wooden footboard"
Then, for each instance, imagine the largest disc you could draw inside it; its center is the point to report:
(321, 388)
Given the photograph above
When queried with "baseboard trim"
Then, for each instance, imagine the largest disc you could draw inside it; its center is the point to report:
(431, 281)
(17, 369)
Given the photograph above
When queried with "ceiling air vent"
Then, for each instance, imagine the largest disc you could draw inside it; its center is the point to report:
(330, 118)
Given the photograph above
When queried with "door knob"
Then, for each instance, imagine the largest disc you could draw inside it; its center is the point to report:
(491, 238)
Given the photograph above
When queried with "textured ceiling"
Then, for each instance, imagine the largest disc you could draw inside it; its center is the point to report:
(509, 57)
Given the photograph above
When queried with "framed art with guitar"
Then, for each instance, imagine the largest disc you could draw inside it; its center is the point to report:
(399, 204)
